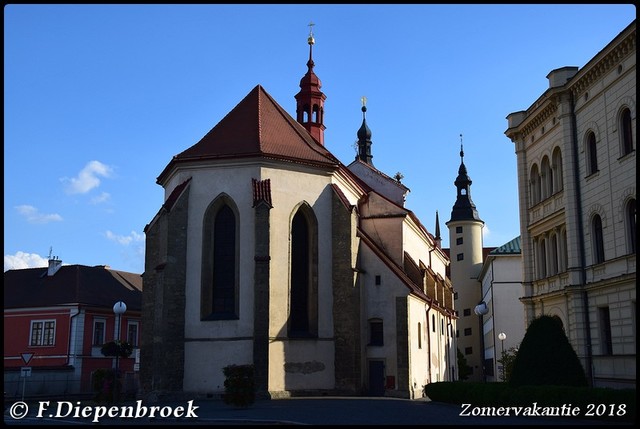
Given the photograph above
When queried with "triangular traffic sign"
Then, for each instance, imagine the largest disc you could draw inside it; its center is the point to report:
(26, 357)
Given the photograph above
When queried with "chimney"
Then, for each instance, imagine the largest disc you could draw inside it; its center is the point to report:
(54, 266)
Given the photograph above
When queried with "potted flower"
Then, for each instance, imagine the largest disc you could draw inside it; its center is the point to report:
(117, 348)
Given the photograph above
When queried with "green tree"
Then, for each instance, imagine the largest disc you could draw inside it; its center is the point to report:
(546, 357)
(506, 360)
(464, 370)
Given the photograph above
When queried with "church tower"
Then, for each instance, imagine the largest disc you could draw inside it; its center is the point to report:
(310, 100)
(465, 242)
(364, 137)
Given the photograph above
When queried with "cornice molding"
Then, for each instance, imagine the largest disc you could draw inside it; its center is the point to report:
(609, 61)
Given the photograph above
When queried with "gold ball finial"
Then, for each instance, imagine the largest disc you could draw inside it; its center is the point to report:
(310, 39)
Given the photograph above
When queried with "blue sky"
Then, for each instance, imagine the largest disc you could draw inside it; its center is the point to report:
(98, 98)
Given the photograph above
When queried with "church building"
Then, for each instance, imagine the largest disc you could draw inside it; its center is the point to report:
(268, 250)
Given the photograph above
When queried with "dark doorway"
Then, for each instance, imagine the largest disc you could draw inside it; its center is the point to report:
(376, 378)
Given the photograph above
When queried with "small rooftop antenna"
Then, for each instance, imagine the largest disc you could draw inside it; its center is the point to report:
(50, 251)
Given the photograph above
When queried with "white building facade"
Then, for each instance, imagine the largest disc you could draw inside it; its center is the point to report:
(576, 155)
(504, 323)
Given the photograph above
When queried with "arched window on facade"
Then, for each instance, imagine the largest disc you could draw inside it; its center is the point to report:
(534, 185)
(558, 180)
(219, 287)
(592, 154)
(303, 302)
(626, 134)
(597, 239)
(543, 258)
(630, 221)
(564, 254)
(546, 179)
(553, 257)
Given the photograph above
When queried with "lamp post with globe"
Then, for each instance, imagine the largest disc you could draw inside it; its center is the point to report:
(502, 336)
(118, 308)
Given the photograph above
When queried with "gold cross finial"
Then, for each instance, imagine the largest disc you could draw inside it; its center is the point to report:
(311, 24)
(364, 101)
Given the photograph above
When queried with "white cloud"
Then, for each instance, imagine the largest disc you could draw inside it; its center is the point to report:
(125, 240)
(485, 232)
(22, 260)
(101, 198)
(87, 178)
(34, 216)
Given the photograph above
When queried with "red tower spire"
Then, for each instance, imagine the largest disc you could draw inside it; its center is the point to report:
(310, 100)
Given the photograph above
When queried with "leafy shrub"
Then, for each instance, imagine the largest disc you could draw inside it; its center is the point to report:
(104, 385)
(117, 348)
(239, 385)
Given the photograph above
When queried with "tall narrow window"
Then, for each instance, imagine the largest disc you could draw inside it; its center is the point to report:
(219, 290)
(98, 331)
(605, 331)
(376, 332)
(592, 154)
(553, 257)
(626, 134)
(557, 170)
(419, 335)
(564, 254)
(543, 258)
(534, 185)
(299, 275)
(132, 333)
(224, 262)
(597, 240)
(303, 305)
(630, 221)
(546, 181)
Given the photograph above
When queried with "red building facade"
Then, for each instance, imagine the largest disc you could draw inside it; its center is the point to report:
(58, 318)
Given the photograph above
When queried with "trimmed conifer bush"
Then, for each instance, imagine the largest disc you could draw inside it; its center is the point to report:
(545, 357)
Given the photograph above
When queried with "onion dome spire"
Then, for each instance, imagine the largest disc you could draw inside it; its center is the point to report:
(364, 137)
(463, 209)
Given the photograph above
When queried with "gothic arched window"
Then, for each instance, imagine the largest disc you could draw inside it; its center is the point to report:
(219, 290)
(303, 304)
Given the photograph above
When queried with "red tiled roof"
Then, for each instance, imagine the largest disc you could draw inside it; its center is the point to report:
(257, 127)
(72, 284)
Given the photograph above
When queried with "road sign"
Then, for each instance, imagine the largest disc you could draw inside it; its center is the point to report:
(25, 371)
(26, 357)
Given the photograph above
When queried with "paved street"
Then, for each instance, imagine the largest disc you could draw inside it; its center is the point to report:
(305, 411)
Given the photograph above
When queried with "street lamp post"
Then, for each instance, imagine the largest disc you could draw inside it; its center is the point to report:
(502, 336)
(118, 308)
(481, 310)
